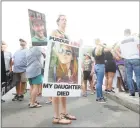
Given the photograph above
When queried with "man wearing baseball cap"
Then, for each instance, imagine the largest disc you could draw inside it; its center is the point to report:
(19, 68)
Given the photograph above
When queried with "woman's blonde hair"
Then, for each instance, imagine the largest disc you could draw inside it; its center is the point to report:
(116, 47)
(99, 49)
(97, 41)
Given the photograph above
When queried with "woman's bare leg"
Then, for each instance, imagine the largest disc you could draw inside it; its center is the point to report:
(40, 90)
(120, 84)
(94, 82)
(91, 86)
(31, 88)
(63, 103)
(55, 103)
(64, 109)
(84, 86)
(50, 99)
(57, 117)
(110, 79)
(106, 81)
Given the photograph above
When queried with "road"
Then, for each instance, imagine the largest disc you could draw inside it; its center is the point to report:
(89, 113)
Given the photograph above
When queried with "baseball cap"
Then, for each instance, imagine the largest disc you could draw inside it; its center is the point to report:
(22, 40)
(87, 54)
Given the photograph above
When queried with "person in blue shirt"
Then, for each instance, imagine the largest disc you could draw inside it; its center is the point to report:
(19, 68)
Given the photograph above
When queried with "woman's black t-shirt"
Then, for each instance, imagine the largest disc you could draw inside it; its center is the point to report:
(99, 59)
(108, 56)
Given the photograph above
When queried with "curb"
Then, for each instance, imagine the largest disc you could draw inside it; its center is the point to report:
(126, 103)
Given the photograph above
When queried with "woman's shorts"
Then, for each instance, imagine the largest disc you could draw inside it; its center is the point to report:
(110, 66)
(121, 68)
(87, 75)
(117, 73)
(36, 80)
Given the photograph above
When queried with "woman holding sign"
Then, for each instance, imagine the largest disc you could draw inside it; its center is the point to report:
(64, 117)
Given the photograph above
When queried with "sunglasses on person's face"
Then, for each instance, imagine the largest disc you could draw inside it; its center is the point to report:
(66, 52)
(63, 19)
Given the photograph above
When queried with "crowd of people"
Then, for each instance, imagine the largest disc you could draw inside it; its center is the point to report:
(27, 65)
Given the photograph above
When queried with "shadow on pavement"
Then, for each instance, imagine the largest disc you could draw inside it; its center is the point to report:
(114, 108)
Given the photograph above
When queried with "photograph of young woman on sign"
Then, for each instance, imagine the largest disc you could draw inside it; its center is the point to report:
(65, 69)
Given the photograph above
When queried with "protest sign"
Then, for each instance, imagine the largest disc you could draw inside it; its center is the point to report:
(61, 89)
(62, 69)
(37, 28)
(78, 43)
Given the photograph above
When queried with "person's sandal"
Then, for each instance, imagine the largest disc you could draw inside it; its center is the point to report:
(39, 94)
(35, 102)
(92, 93)
(49, 102)
(68, 116)
(35, 106)
(55, 120)
(84, 95)
(61, 120)
(121, 91)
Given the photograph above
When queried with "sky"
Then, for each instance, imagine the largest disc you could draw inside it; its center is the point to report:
(85, 20)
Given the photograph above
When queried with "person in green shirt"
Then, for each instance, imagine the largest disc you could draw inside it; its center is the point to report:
(38, 27)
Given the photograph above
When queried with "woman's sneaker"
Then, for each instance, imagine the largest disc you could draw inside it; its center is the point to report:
(113, 91)
(102, 100)
(97, 100)
(106, 91)
(109, 91)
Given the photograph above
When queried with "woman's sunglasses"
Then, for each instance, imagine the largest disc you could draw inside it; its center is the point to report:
(66, 52)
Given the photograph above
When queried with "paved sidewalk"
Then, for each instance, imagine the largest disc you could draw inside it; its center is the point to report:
(123, 98)
(89, 113)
